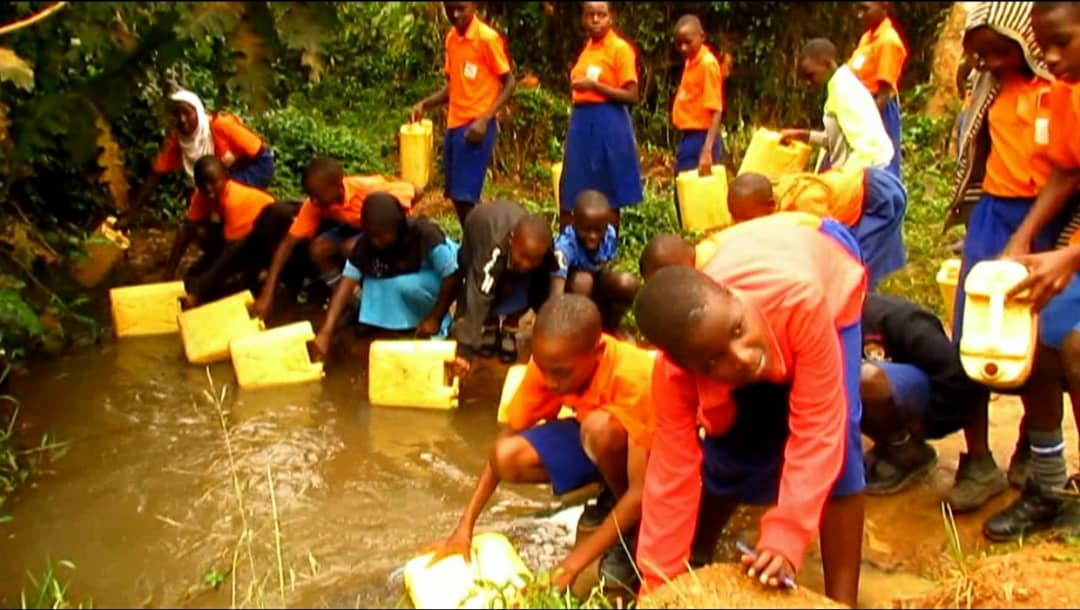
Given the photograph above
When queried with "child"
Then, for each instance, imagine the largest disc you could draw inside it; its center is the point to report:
(478, 84)
(779, 303)
(914, 388)
(600, 151)
(583, 251)
(330, 217)
(253, 226)
(506, 261)
(250, 160)
(878, 61)
(854, 135)
(699, 103)
(408, 270)
(870, 201)
(606, 383)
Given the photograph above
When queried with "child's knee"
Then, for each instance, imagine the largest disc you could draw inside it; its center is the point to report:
(580, 282)
(1070, 359)
(512, 455)
(603, 436)
(873, 383)
(322, 249)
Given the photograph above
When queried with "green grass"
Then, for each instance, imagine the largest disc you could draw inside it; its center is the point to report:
(49, 590)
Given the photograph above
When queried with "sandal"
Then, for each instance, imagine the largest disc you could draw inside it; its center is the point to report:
(489, 342)
(508, 352)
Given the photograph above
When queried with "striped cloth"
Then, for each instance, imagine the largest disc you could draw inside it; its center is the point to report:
(1012, 20)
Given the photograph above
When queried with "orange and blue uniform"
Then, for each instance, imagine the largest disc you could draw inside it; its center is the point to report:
(808, 286)
(879, 58)
(600, 151)
(345, 214)
(238, 208)
(699, 97)
(475, 64)
(254, 161)
(619, 386)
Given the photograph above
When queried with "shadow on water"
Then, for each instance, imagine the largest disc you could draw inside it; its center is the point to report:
(146, 505)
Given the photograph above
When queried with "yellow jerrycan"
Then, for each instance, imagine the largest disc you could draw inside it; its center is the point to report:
(703, 199)
(556, 176)
(766, 155)
(103, 250)
(275, 357)
(514, 375)
(1000, 335)
(408, 373)
(146, 309)
(417, 144)
(948, 276)
(207, 330)
(495, 569)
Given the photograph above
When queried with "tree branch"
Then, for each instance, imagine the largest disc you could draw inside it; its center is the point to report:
(32, 19)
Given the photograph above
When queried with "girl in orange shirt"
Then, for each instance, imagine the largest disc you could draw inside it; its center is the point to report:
(600, 151)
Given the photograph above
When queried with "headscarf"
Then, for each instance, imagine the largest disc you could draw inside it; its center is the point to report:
(200, 143)
(1013, 21)
(416, 238)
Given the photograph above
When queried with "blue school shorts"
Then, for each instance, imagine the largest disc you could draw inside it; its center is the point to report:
(256, 172)
(559, 445)
(464, 164)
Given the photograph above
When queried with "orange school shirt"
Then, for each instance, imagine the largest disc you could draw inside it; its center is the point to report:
(611, 61)
(1019, 122)
(348, 211)
(474, 65)
(238, 207)
(837, 193)
(879, 57)
(707, 247)
(700, 93)
(806, 287)
(229, 135)
(619, 386)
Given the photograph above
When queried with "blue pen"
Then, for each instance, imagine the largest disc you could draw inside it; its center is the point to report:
(787, 582)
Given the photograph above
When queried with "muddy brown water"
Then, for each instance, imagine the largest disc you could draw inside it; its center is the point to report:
(145, 505)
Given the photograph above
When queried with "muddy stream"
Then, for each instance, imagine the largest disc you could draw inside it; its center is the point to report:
(145, 503)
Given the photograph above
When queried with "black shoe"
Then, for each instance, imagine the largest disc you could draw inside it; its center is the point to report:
(617, 568)
(893, 470)
(1035, 510)
(507, 345)
(489, 341)
(595, 513)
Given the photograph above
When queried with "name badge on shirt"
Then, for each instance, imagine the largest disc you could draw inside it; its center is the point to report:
(1042, 131)
(593, 72)
(470, 70)
(858, 62)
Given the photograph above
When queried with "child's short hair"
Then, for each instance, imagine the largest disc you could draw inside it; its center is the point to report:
(570, 316)
(662, 250)
(205, 167)
(591, 201)
(323, 170)
(670, 306)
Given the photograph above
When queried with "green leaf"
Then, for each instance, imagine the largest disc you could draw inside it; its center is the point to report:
(15, 69)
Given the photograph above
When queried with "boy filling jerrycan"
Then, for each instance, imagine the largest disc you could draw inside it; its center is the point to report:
(703, 199)
(417, 142)
(146, 309)
(494, 570)
(275, 357)
(407, 373)
(947, 278)
(207, 330)
(1000, 334)
(103, 249)
(767, 156)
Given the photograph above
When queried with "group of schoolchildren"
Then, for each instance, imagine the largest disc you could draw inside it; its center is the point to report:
(773, 354)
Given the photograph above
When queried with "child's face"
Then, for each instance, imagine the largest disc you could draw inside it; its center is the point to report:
(187, 120)
(596, 16)
(526, 254)
(814, 70)
(325, 193)
(213, 185)
(567, 366)
(994, 53)
(729, 344)
(871, 14)
(1058, 34)
(590, 229)
(381, 237)
(688, 40)
(460, 14)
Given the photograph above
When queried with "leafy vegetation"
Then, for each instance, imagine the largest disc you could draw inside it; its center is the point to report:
(49, 591)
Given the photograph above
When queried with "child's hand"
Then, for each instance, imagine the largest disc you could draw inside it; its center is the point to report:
(461, 367)
(427, 327)
(261, 309)
(583, 84)
(771, 568)
(1048, 274)
(563, 577)
(321, 346)
(416, 112)
(459, 543)
(705, 163)
(476, 131)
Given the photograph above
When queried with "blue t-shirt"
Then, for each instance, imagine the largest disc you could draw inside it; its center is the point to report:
(572, 256)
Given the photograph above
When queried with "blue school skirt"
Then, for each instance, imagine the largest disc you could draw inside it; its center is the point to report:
(601, 154)
(255, 172)
(890, 116)
(465, 164)
(993, 221)
(880, 231)
(686, 157)
(746, 463)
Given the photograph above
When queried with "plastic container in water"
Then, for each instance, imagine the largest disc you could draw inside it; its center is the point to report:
(703, 199)
(556, 176)
(103, 250)
(948, 276)
(417, 144)
(147, 309)
(275, 357)
(409, 373)
(451, 583)
(1000, 335)
(767, 156)
(207, 330)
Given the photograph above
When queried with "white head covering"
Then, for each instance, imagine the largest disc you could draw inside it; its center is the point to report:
(200, 143)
